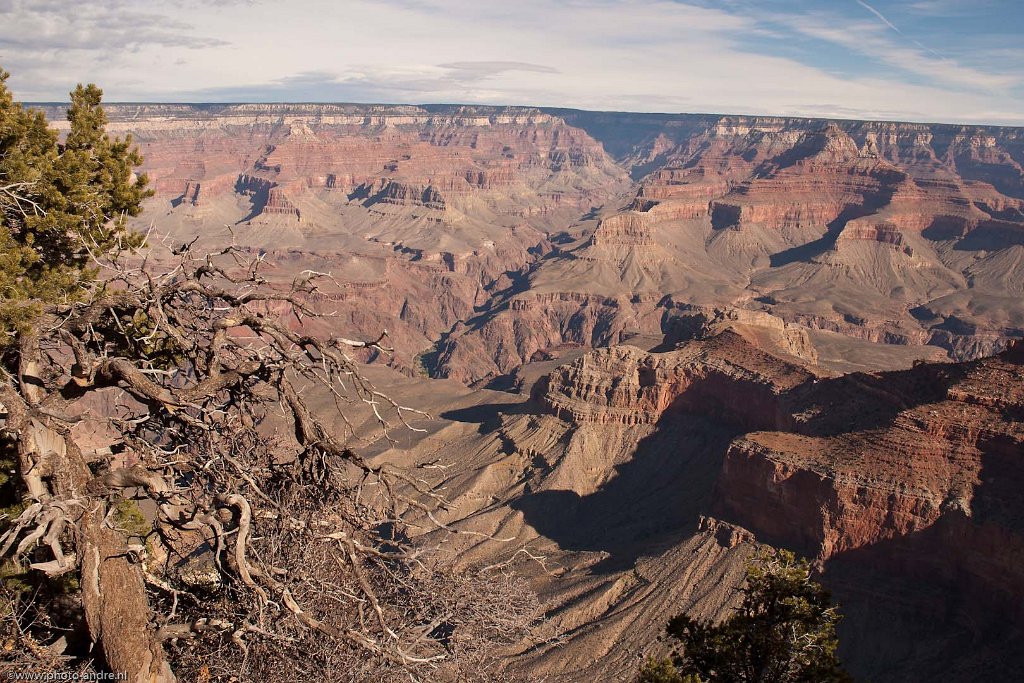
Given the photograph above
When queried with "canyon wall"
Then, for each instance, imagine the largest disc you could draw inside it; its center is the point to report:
(483, 237)
(902, 486)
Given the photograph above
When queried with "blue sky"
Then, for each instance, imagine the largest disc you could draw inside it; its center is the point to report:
(934, 60)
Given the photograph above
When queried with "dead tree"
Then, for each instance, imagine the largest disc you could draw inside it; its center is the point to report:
(174, 460)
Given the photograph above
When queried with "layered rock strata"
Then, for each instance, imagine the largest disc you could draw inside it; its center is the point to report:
(902, 485)
(893, 233)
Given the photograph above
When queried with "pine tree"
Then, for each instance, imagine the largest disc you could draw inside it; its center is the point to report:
(783, 632)
(60, 204)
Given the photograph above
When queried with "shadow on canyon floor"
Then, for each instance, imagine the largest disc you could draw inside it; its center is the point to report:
(654, 498)
(808, 251)
(487, 415)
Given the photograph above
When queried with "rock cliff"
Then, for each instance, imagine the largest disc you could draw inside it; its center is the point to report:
(724, 378)
(902, 485)
(889, 233)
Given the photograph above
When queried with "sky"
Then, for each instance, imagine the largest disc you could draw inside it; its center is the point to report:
(918, 60)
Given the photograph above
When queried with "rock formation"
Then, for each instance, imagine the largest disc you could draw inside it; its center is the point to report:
(683, 301)
(909, 475)
(645, 479)
(891, 233)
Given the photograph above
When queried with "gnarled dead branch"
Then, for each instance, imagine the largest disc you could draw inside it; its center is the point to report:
(223, 479)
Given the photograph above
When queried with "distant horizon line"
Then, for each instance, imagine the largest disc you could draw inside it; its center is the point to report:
(540, 108)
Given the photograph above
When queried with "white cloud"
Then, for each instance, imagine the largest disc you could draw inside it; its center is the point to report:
(91, 25)
(947, 8)
(869, 40)
(642, 55)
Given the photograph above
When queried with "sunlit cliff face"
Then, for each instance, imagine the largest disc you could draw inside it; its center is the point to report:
(549, 229)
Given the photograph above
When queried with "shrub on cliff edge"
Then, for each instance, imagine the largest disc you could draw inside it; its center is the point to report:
(783, 632)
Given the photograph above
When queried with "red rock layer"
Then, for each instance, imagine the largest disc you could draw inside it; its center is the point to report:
(905, 486)
(724, 377)
(390, 191)
(628, 229)
(533, 325)
(822, 212)
(833, 466)
(874, 460)
(402, 154)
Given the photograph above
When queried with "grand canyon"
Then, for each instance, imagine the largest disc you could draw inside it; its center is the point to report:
(649, 344)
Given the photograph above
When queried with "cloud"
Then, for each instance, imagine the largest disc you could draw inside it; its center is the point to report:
(475, 71)
(102, 26)
(50, 45)
(868, 40)
(947, 8)
(377, 84)
(642, 55)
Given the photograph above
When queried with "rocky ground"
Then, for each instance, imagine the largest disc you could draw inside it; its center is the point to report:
(639, 483)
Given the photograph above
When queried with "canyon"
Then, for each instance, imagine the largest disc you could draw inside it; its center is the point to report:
(651, 343)
(481, 237)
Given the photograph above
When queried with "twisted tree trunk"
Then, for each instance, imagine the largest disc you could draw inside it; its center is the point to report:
(113, 589)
